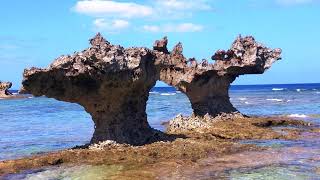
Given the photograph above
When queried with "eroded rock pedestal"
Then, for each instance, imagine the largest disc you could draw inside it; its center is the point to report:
(4, 89)
(207, 84)
(110, 82)
(113, 83)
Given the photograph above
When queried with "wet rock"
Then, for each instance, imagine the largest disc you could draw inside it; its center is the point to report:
(220, 139)
(112, 84)
(55, 161)
(186, 124)
(4, 89)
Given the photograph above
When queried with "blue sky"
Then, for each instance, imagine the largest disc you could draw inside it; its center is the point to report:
(35, 32)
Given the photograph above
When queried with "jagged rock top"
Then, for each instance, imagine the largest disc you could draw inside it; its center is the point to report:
(101, 56)
(161, 45)
(102, 62)
(246, 56)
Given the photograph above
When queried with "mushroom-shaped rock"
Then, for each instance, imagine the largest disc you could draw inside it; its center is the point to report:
(207, 85)
(246, 56)
(4, 89)
(112, 84)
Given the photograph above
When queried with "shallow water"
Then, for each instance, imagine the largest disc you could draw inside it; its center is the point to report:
(84, 172)
(36, 125)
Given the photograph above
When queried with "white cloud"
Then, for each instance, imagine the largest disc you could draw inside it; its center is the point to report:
(108, 12)
(101, 24)
(120, 24)
(151, 28)
(294, 2)
(183, 27)
(8, 47)
(184, 4)
(179, 9)
(103, 8)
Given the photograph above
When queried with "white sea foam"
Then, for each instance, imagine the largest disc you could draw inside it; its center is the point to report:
(277, 89)
(168, 94)
(30, 97)
(153, 92)
(242, 99)
(178, 92)
(246, 102)
(298, 116)
(277, 100)
(318, 92)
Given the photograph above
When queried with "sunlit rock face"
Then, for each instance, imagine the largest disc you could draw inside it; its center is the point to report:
(112, 84)
(4, 89)
(206, 84)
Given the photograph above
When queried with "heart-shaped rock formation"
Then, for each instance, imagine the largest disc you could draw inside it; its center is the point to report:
(113, 83)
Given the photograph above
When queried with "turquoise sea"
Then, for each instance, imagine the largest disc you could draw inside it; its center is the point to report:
(36, 125)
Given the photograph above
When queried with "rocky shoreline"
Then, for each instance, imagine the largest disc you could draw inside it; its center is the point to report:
(112, 83)
(219, 139)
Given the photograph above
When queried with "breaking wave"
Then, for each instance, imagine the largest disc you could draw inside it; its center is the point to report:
(298, 116)
(277, 100)
(277, 89)
(168, 94)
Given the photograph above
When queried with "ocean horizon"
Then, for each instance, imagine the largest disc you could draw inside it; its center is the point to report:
(239, 86)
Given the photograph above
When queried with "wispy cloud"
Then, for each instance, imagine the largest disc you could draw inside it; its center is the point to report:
(183, 27)
(184, 4)
(119, 14)
(103, 8)
(294, 2)
(102, 24)
(8, 47)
